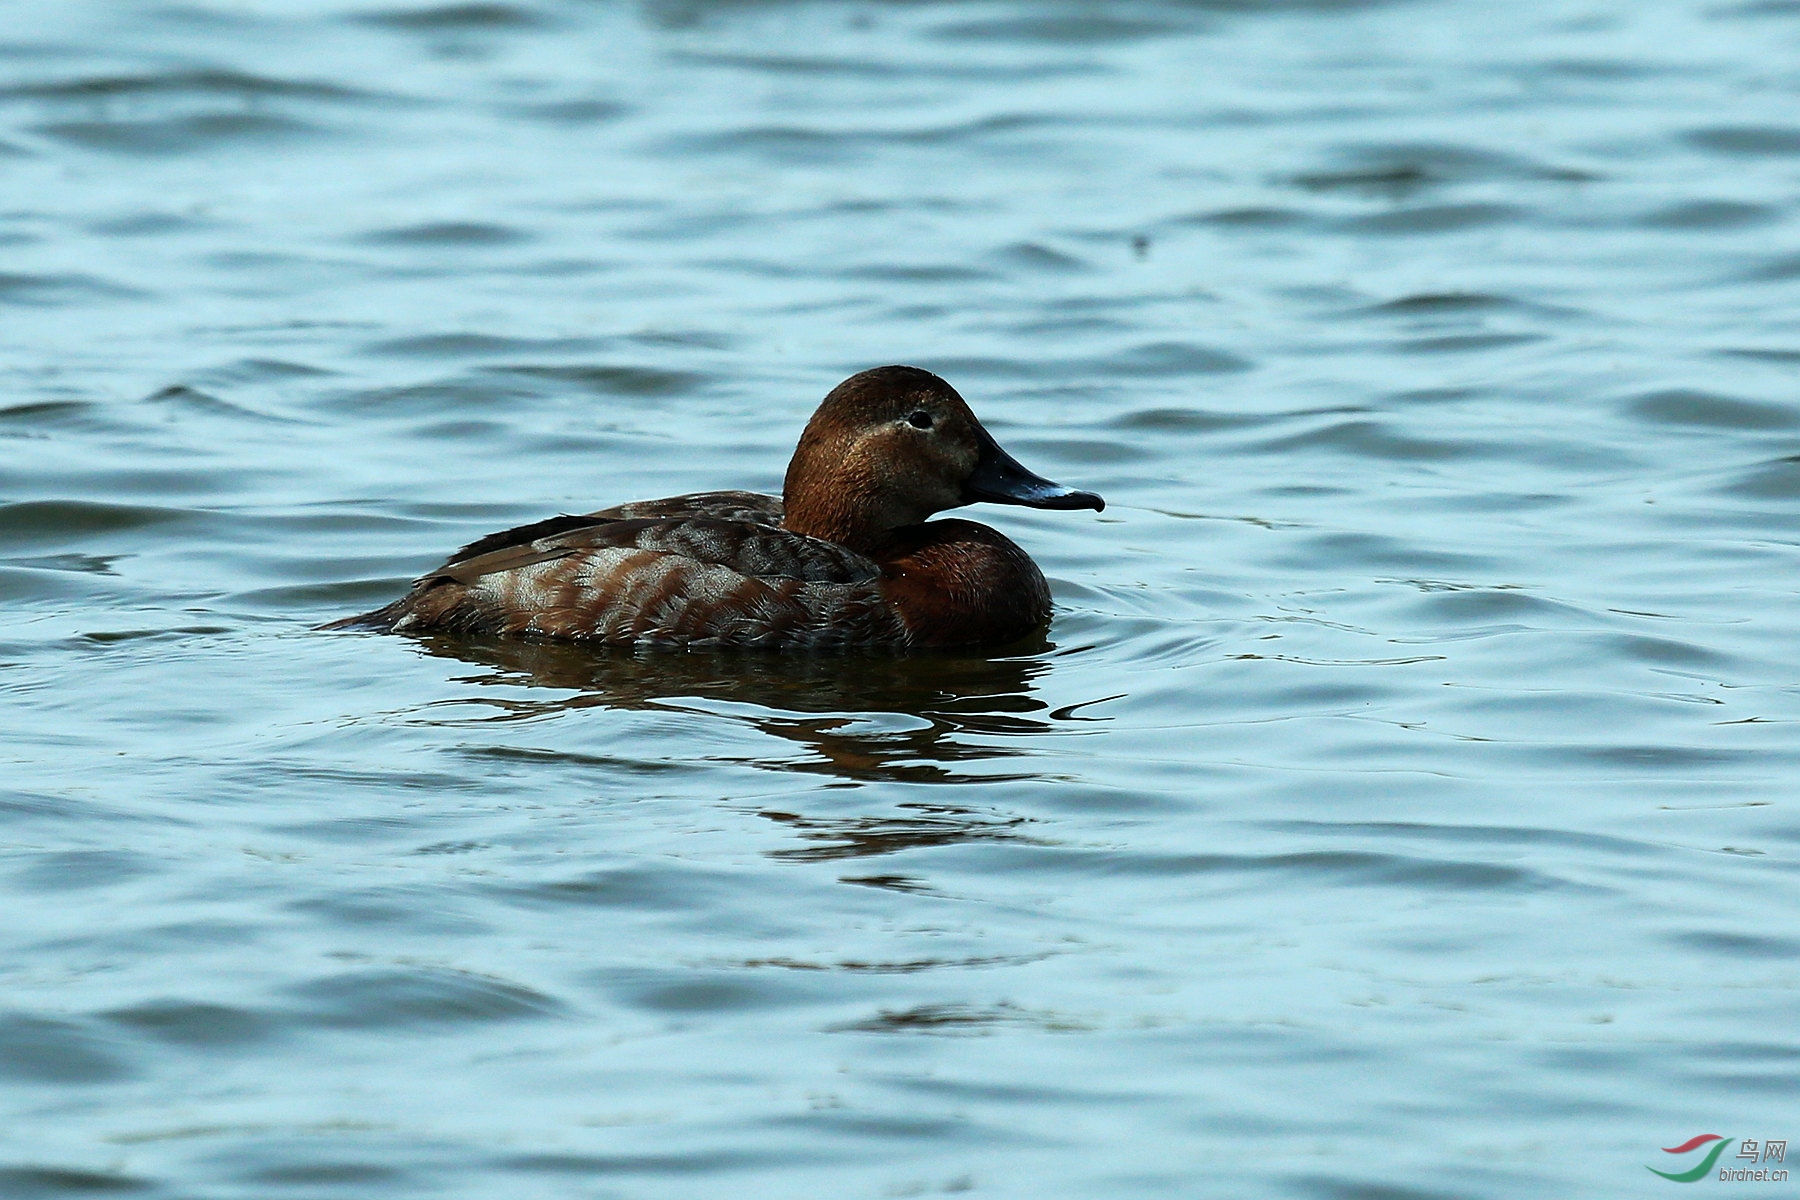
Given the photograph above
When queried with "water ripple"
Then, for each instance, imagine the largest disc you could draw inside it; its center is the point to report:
(387, 999)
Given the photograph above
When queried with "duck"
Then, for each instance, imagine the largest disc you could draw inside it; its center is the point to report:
(846, 558)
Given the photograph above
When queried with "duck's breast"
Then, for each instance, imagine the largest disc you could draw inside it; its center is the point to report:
(960, 583)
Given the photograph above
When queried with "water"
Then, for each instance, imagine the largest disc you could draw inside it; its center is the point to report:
(1401, 804)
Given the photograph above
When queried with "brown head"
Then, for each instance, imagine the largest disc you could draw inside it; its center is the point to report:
(891, 446)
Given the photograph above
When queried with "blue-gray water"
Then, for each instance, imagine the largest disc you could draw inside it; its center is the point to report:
(1402, 805)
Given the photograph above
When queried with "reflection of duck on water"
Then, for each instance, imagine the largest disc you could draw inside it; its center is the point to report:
(814, 702)
(844, 559)
(954, 710)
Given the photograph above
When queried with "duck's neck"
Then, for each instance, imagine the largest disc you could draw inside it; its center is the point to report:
(831, 494)
(834, 515)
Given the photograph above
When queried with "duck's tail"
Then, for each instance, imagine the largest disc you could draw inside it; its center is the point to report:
(381, 620)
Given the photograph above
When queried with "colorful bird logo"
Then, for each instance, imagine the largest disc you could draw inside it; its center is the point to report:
(1706, 1164)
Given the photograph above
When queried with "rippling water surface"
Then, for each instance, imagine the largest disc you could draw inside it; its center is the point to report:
(1401, 804)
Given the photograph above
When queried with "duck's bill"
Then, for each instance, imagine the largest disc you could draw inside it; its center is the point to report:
(999, 479)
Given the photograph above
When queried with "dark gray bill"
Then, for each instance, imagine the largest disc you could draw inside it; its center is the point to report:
(999, 479)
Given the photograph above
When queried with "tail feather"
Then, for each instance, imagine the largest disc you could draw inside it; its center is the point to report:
(381, 620)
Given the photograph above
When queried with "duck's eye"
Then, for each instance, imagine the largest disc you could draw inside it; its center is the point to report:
(920, 419)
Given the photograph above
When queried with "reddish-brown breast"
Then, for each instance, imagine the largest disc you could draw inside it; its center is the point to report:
(957, 583)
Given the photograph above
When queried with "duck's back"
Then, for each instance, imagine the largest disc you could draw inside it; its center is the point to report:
(710, 569)
(751, 508)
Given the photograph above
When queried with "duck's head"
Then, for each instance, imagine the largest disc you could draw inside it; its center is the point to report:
(891, 446)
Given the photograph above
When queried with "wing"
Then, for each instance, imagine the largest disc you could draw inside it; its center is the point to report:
(623, 595)
(762, 551)
(748, 507)
(695, 581)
